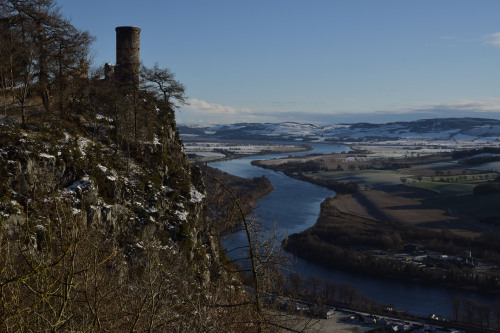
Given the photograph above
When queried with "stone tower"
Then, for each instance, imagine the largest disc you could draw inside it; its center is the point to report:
(127, 57)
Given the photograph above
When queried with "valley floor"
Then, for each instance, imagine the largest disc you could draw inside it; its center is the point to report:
(423, 202)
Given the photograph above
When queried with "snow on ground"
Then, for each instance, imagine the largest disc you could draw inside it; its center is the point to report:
(67, 137)
(82, 144)
(196, 196)
(208, 154)
(79, 185)
(210, 148)
(181, 215)
(103, 117)
(436, 131)
(44, 155)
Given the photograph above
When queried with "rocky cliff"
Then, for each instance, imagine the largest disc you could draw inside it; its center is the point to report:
(102, 234)
(148, 194)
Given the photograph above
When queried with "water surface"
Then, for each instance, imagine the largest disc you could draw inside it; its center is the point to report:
(294, 206)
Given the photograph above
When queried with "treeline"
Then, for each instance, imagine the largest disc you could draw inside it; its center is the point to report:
(309, 166)
(245, 190)
(289, 167)
(471, 152)
(342, 241)
(466, 313)
(349, 187)
(480, 159)
(319, 291)
(290, 170)
(473, 313)
(42, 55)
(394, 165)
(312, 248)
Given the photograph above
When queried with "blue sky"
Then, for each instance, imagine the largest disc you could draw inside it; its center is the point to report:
(313, 61)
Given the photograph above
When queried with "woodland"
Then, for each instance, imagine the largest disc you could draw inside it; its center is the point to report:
(105, 224)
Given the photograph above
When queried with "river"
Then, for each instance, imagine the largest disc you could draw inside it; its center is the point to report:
(294, 206)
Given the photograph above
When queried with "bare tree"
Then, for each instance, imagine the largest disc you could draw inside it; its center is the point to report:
(17, 54)
(57, 48)
(163, 82)
(71, 62)
(261, 256)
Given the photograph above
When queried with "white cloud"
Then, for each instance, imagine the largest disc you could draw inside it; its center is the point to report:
(465, 105)
(493, 39)
(205, 113)
(202, 112)
(203, 107)
(451, 109)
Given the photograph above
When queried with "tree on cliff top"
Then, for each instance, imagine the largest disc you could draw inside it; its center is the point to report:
(43, 42)
(162, 81)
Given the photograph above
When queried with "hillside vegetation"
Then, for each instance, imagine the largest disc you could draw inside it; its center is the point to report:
(104, 222)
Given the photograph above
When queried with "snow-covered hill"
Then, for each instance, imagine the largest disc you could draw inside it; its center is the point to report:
(469, 129)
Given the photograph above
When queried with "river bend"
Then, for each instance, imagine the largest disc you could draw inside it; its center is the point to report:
(294, 206)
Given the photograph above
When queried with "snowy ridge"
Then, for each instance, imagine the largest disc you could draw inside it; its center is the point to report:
(428, 129)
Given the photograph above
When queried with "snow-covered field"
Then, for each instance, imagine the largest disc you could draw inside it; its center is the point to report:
(395, 150)
(215, 150)
(391, 140)
(446, 133)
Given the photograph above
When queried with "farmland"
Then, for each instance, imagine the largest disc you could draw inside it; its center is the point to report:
(426, 200)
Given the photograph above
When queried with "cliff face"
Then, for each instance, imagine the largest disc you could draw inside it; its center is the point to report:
(74, 201)
(147, 193)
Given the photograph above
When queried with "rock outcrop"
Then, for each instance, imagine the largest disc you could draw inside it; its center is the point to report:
(148, 193)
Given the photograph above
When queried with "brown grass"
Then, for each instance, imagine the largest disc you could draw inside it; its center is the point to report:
(387, 199)
(397, 204)
(349, 205)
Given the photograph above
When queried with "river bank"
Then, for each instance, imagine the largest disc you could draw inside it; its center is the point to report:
(361, 244)
(224, 150)
(398, 229)
(294, 206)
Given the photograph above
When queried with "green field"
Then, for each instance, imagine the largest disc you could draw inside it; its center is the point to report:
(456, 196)
(459, 197)
(446, 189)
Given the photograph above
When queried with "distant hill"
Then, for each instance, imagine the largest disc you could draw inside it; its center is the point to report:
(437, 129)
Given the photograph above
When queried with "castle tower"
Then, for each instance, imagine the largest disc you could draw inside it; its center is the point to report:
(127, 57)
